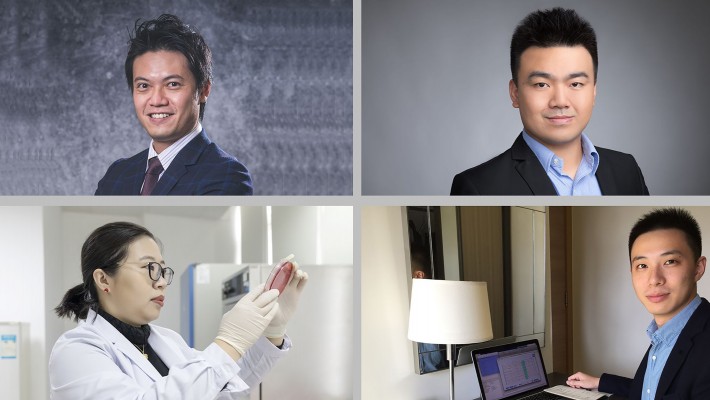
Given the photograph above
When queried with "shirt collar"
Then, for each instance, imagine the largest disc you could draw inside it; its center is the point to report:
(546, 156)
(671, 329)
(179, 144)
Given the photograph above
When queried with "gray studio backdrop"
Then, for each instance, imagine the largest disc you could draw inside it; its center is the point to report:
(281, 99)
(435, 89)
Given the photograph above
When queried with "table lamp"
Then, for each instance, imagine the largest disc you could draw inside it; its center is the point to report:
(449, 312)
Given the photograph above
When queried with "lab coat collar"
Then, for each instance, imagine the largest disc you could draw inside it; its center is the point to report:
(126, 347)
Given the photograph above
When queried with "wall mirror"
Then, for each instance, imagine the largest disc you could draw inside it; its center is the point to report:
(503, 246)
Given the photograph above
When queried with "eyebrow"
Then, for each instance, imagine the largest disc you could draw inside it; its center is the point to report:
(150, 258)
(667, 253)
(547, 75)
(167, 78)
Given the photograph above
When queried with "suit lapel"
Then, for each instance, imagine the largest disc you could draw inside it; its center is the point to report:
(136, 174)
(530, 169)
(682, 347)
(605, 178)
(178, 167)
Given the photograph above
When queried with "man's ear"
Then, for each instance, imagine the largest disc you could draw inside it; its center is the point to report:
(513, 89)
(205, 92)
(700, 268)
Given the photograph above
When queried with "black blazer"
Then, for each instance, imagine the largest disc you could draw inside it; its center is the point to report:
(200, 168)
(518, 172)
(687, 371)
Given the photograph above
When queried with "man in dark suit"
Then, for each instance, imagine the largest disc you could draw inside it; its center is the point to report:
(169, 71)
(666, 264)
(553, 60)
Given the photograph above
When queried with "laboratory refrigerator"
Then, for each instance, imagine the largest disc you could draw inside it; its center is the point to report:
(320, 364)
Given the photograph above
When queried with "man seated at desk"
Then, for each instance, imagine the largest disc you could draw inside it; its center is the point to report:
(666, 264)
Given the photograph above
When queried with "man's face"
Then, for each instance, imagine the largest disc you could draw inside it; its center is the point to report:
(166, 96)
(664, 272)
(555, 93)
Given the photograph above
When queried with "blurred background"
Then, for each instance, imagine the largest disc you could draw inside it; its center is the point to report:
(281, 99)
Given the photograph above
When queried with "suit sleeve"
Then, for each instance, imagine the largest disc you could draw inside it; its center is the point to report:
(462, 186)
(615, 384)
(234, 180)
(642, 189)
(107, 183)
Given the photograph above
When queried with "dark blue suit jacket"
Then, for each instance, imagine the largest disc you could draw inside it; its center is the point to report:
(200, 168)
(686, 374)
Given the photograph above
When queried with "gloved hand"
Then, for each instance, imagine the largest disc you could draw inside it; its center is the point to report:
(288, 301)
(244, 324)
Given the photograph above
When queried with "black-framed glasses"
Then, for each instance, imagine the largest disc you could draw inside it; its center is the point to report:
(155, 271)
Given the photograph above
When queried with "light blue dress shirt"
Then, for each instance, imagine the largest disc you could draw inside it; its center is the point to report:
(585, 181)
(662, 341)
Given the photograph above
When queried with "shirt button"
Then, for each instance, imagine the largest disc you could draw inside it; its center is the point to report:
(648, 390)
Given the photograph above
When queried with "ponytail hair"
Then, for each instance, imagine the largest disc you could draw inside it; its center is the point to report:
(106, 248)
(76, 303)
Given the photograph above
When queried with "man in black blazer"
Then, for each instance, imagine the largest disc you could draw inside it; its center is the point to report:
(553, 61)
(169, 71)
(666, 264)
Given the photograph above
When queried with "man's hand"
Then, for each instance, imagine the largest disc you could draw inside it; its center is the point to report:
(581, 380)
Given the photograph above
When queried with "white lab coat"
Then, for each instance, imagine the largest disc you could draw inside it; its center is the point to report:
(95, 361)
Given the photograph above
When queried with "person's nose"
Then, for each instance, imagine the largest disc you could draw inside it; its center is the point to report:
(161, 283)
(157, 97)
(656, 276)
(559, 97)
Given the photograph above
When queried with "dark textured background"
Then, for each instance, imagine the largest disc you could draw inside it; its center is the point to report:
(281, 98)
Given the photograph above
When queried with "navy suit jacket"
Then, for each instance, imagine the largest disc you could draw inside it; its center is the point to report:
(200, 168)
(686, 374)
(518, 172)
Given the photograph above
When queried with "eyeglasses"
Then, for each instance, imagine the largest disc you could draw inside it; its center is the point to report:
(155, 271)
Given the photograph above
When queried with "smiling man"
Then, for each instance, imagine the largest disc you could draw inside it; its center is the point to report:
(665, 249)
(169, 72)
(553, 60)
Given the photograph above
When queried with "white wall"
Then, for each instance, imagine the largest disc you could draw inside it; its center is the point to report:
(22, 280)
(609, 321)
(387, 364)
(254, 247)
(316, 235)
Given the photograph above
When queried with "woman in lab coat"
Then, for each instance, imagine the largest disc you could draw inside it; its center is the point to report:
(115, 353)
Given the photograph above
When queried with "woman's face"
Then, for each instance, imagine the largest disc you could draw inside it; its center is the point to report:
(133, 297)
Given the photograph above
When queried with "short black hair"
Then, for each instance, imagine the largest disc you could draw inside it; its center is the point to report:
(551, 28)
(669, 218)
(168, 32)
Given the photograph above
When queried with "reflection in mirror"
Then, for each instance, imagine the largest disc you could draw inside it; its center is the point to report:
(503, 246)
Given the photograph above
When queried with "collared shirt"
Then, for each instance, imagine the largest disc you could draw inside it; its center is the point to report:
(662, 342)
(168, 155)
(585, 181)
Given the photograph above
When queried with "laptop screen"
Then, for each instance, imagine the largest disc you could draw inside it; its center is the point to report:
(509, 370)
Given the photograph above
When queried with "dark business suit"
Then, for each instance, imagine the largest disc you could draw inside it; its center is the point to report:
(686, 374)
(200, 168)
(518, 172)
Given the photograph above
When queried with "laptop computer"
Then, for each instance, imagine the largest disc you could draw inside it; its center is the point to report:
(516, 371)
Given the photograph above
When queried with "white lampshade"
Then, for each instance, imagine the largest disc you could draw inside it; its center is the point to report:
(449, 312)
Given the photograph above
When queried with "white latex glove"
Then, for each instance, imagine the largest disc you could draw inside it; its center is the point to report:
(288, 302)
(244, 324)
